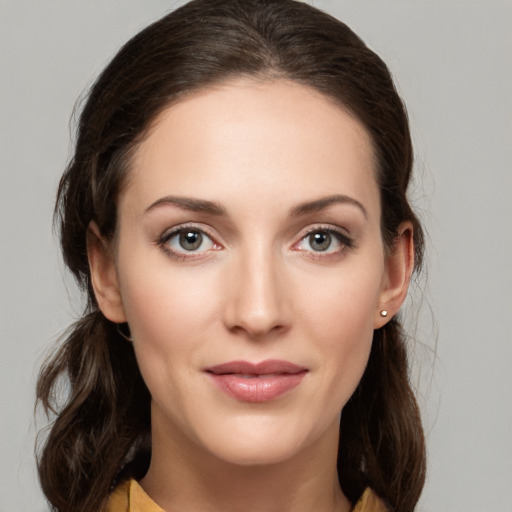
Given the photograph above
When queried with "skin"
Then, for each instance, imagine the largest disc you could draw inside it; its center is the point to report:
(258, 288)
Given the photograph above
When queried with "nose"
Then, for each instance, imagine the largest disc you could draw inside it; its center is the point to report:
(257, 296)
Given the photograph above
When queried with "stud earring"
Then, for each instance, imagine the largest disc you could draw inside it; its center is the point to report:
(383, 313)
(123, 335)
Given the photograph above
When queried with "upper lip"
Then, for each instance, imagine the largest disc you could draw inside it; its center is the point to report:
(271, 366)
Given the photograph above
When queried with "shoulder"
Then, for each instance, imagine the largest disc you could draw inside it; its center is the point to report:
(370, 502)
(129, 496)
(119, 501)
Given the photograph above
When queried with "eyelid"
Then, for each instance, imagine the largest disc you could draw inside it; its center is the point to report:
(344, 238)
(175, 230)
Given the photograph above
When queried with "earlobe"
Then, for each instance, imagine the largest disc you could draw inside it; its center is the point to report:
(104, 276)
(399, 266)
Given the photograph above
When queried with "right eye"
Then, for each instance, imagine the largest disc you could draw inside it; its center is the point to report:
(186, 241)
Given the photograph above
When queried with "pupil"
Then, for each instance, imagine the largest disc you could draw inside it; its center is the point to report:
(320, 241)
(190, 240)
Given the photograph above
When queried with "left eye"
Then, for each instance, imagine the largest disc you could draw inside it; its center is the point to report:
(188, 240)
(323, 241)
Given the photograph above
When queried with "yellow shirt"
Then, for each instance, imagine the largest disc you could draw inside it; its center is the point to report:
(130, 497)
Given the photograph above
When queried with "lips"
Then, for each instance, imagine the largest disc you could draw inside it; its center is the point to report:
(256, 382)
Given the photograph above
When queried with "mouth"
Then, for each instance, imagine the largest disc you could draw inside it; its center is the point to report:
(256, 382)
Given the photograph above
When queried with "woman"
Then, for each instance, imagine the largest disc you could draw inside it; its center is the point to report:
(236, 212)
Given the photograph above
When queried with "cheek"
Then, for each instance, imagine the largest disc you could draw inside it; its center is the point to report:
(346, 337)
(341, 303)
(161, 298)
(169, 311)
(338, 316)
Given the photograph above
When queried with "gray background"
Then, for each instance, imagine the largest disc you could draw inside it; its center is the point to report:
(452, 63)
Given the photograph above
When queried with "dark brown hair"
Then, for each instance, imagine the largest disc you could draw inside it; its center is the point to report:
(101, 431)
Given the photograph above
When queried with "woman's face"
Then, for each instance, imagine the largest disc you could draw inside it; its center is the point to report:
(250, 268)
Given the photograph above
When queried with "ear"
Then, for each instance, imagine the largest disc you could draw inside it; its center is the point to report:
(398, 270)
(104, 276)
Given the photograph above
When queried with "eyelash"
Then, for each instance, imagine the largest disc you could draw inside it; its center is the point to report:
(343, 239)
(184, 255)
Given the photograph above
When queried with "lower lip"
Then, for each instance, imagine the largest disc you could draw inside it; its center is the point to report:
(262, 388)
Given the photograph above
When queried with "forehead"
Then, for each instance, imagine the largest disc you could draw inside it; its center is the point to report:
(279, 139)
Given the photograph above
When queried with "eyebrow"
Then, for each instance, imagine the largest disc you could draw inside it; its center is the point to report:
(325, 202)
(210, 207)
(190, 204)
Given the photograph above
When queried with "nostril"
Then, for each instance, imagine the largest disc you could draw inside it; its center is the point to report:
(257, 333)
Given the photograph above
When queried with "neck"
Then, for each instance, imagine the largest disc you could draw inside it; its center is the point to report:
(183, 477)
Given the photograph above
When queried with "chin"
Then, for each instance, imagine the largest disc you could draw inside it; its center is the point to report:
(242, 454)
(256, 444)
